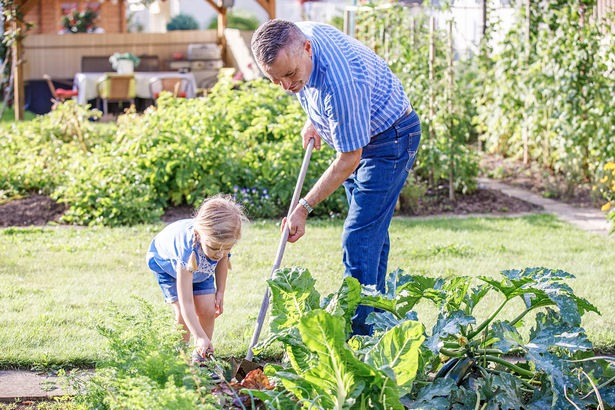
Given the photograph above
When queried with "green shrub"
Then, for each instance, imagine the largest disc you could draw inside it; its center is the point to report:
(182, 22)
(242, 139)
(145, 366)
(238, 19)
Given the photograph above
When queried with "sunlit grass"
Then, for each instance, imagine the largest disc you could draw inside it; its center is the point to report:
(58, 283)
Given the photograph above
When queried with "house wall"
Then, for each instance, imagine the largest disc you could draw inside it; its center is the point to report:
(60, 55)
(46, 15)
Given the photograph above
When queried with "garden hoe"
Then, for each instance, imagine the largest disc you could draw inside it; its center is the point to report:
(246, 364)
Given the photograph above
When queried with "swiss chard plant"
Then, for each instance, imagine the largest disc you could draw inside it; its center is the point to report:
(463, 362)
(326, 371)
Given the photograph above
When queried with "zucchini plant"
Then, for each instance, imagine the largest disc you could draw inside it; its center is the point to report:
(495, 362)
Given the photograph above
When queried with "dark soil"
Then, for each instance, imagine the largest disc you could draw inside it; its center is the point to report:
(41, 210)
(483, 201)
(34, 210)
(538, 181)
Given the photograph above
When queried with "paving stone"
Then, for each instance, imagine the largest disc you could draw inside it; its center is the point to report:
(25, 385)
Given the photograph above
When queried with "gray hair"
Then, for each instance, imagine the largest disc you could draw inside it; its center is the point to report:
(273, 37)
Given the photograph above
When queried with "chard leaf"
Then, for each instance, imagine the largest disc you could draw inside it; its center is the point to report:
(344, 302)
(272, 398)
(338, 377)
(384, 321)
(297, 385)
(293, 294)
(371, 297)
(507, 335)
(397, 354)
(447, 325)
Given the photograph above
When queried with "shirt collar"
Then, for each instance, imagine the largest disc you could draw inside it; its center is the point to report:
(316, 64)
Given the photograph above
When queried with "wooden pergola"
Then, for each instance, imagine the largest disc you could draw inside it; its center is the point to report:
(24, 6)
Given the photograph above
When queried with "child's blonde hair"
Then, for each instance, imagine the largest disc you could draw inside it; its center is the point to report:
(219, 218)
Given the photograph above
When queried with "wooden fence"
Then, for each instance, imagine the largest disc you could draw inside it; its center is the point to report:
(60, 55)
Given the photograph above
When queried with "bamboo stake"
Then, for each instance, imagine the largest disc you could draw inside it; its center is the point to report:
(451, 167)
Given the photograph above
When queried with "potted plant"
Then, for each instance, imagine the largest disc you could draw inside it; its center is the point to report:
(79, 21)
(124, 63)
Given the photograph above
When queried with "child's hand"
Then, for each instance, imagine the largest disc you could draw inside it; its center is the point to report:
(219, 303)
(203, 347)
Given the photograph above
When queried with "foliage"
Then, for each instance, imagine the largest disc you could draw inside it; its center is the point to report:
(606, 188)
(182, 22)
(403, 40)
(551, 100)
(238, 19)
(115, 58)
(241, 139)
(327, 372)
(145, 366)
(80, 21)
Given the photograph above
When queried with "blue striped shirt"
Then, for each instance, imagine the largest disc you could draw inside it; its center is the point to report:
(352, 94)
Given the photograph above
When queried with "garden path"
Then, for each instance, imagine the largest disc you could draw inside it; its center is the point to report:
(24, 387)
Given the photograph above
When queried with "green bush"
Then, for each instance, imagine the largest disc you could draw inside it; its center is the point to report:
(182, 22)
(242, 139)
(238, 19)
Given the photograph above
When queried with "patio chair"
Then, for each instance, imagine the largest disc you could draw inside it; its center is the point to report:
(116, 88)
(60, 94)
(178, 86)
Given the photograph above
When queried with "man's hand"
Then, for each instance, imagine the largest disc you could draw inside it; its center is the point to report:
(296, 223)
(309, 132)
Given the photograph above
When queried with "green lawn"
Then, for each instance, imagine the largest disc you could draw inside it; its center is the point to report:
(58, 283)
(9, 115)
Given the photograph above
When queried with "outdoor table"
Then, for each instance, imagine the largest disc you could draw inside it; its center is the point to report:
(85, 83)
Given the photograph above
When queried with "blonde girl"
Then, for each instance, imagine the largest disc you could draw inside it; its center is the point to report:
(190, 259)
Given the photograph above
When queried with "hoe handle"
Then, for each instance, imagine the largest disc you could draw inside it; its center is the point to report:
(281, 247)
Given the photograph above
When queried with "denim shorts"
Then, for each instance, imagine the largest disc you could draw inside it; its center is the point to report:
(168, 284)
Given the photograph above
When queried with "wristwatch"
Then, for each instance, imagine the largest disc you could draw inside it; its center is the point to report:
(305, 204)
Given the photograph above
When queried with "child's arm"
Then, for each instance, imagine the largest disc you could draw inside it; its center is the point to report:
(221, 274)
(188, 311)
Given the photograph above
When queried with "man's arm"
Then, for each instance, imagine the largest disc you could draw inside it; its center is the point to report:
(340, 169)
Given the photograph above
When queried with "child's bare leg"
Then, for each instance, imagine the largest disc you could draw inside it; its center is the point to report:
(179, 319)
(206, 311)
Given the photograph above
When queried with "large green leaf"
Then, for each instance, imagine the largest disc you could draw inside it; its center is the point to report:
(397, 354)
(548, 340)
(541, 287)
(339, 377)
(507, 335)
(384, 321)
(434, 396)
(344, 302)
(293, 295)
(446, 326)
(501, 392)
(277, 399)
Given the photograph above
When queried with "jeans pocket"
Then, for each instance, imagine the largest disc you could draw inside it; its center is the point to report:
(413, 147)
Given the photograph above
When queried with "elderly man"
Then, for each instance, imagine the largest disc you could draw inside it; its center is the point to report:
(358, 107)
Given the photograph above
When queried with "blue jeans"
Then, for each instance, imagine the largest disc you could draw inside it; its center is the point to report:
(372, 192)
